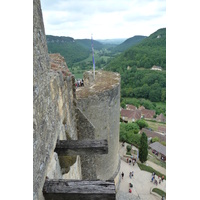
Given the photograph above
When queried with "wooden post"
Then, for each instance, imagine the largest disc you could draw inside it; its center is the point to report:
(62, 189)
(81, 147)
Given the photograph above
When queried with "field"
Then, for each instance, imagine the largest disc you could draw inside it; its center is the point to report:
(154, 125)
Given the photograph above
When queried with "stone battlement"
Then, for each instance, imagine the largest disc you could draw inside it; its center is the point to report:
(104, 80)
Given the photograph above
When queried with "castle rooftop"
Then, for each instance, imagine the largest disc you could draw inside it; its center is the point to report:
(104, 80)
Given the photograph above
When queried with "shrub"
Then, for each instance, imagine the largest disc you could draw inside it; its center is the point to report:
(128, 148)
(155, 139)
(141, 123)
(160, 192)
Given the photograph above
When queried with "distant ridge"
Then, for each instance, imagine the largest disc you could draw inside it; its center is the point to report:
(73, 50)
(129, 43)
(150, 51)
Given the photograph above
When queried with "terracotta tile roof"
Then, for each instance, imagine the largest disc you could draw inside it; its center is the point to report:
(161, 118)
(130, 107)
(148, 113)
(158, 147)
(162, 129)
(131, 114)
(153, 134)
(141, 108)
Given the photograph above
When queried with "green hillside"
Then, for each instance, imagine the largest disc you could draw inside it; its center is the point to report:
(129, 43)
(138, 80)
(75, 50)
(69, 48)
(86, 43)
(150, 51)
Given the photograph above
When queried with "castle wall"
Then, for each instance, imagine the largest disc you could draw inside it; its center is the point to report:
(100, 103)
(54, 115)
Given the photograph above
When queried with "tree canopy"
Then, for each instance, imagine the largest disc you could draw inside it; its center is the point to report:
(143, 149)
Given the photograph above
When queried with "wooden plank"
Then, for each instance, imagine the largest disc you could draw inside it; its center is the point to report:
(81, 147)
(61, 189)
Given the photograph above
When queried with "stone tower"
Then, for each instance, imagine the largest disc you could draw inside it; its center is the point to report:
(99, 101)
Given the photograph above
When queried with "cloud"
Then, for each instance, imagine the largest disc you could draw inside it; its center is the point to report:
(103, 18)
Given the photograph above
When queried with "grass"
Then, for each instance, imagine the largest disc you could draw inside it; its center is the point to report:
(154, 125)
(153, 158)
(160, 192)
(150, 169)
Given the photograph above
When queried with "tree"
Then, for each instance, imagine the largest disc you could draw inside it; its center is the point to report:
(143, 149)
(128, 148)
(141, 123)
(123, 104)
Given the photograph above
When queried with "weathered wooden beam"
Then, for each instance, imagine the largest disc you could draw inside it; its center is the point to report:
(62, 189)
(81, 147)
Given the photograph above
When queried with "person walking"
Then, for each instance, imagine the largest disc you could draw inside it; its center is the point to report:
(130, 175)
(122, 175)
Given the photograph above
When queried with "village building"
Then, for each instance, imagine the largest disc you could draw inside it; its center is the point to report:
(156, 68)
(130, 115)
(131, 107)
(159, 150)
(141, 108)
(148, 114)
(161, 118)
(162, 129)
(153, 134)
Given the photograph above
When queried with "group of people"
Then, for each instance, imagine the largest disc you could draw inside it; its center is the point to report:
(130, 184)
(79, 83)
(154, 180)
(130, 160)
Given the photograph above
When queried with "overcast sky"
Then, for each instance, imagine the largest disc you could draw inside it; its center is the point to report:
(105, 19)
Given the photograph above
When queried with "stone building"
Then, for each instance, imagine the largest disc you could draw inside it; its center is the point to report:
(57, 115)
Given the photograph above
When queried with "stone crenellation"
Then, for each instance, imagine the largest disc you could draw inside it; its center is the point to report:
(60, 112)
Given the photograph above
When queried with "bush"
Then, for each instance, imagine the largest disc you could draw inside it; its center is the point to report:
(141, 123)
(128, 148)
(160, 192)
(129, 136)
(155, 139)
(128, 153)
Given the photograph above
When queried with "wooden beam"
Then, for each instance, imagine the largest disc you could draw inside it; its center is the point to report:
(61, 189)
(81, 147)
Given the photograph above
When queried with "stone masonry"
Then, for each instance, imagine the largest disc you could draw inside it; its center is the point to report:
(99, 100)
(59, 115)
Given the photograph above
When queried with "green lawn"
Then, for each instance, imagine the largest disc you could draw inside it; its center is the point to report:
(153, 158)
(150, 169)
(160, 192)
(154, 125)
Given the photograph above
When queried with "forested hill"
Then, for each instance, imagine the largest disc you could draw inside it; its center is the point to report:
(73, 50)
(138, 80)
(129, 43)
(150, 51)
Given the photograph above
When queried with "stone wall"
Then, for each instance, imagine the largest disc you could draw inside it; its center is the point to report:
(100, 103)
(54, 115)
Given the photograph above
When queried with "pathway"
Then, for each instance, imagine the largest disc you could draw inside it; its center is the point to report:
(141, 182)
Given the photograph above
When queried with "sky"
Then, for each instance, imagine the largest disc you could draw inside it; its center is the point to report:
(104, 19)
